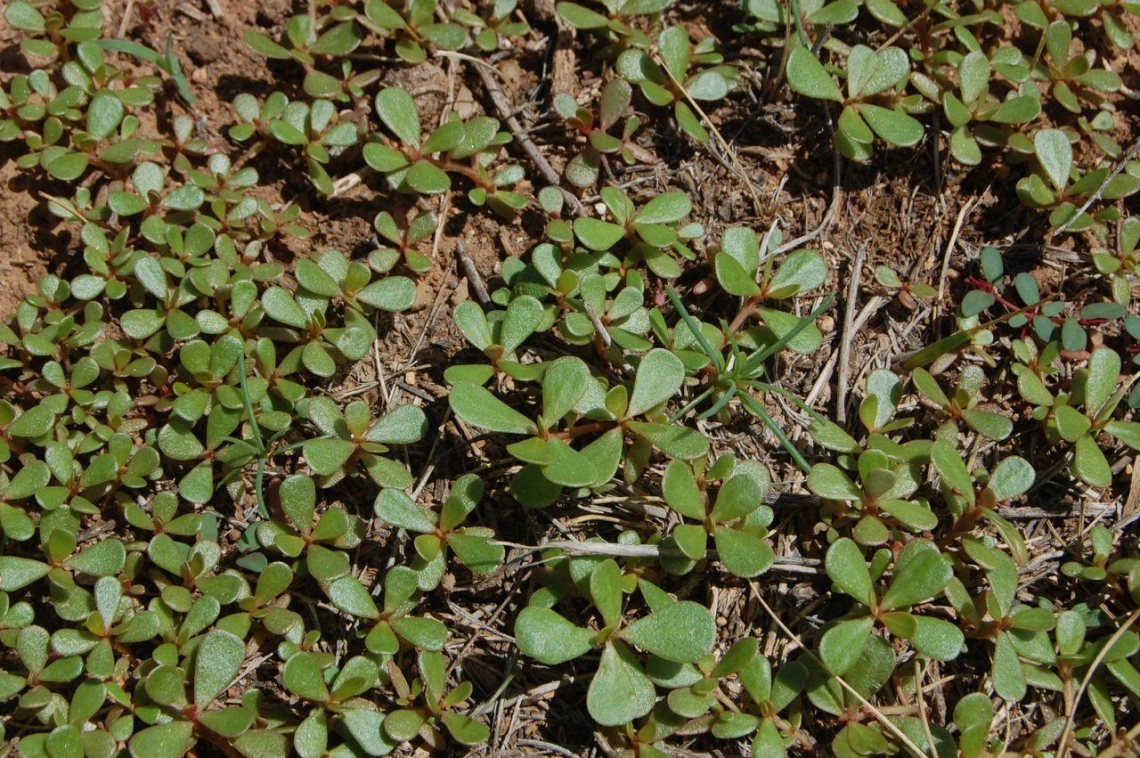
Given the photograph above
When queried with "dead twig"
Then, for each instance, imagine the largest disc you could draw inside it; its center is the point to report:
(946, 256)
(1063, 743)
(791, 565)
(724, 146)
(527, 144)
(126, 20)
(836, 197)
(847, 336)
(1128, 157)
(548, 746)
(890, 726)
(475, 281)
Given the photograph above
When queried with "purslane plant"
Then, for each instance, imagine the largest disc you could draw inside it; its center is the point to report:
(620, 689)
(466, 148)
(168, 390)
(576, 406)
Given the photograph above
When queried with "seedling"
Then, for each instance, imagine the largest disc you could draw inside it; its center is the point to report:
(617, 26)
(571, 396)
(490, 31)
(352, 439)
(1056, 183)
(315, 130)
(686, 71)
(906, 292)
(920, 573)
(439, 533)
(620, 690)
(736, 520)
(1079, 417)
(963, 405)
(467, 148)
(584, 168)
(975, 105)
(870, 74)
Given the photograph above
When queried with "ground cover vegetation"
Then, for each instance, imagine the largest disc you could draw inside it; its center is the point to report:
(356, 410)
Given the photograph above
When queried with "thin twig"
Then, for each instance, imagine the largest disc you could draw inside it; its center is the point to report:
(444, 207)
(470, 59)
(847, 336)
(1063, 743)
(824, 377)
(125, 22)
(540, 690)
(785, 564)
(836, 198)
(527, 144)
(922, 708)
(474, 278)
(1122, 743)
(598, 325)
(728, 151)
(94, 531)
(549, 746)
(906, 742)
(1129, 156)
(432, 315)
(946, 256)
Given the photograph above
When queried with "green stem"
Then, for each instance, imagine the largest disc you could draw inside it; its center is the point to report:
(754, 406)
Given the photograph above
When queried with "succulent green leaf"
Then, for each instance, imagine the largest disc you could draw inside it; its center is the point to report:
(397, 110)
(606, 591)
(392, 294)
(743, 554)
(350, 596)
(808, 77)
(1055, 154)
(280, 306)
(563, 385)
(682, 632)
(802, 271)
(399, 510)
(16, 572)
(404, 425)
(24, 16)
(548, 637)
(832, 483)
(681, 492)
(1103, 375)
(104, 113)
(841, 646)
(1011, 478)
(1089, 463)
(666, 208)
(847, 568)
(893, 126)
(34, 422)
(302, 677)
(659, 376)
(597, 234)
(478, 407)
(170, 740)
(219, 660)
(620, 690)
(312, 735)
(103, 559)
(921, 572)
(1008, 676)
